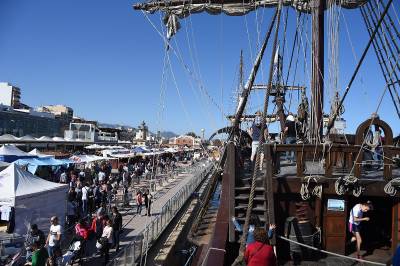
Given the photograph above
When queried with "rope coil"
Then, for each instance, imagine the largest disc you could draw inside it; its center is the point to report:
(390, 189)
(316, 191)
(347, 183)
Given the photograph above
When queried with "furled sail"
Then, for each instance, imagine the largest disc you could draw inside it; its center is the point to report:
(183, 8)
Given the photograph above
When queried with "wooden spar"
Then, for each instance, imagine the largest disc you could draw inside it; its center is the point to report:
(249, 84)
(317, 83)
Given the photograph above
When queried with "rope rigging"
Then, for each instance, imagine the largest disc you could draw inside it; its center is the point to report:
(333, 118)
(383, 51)
(261, 141)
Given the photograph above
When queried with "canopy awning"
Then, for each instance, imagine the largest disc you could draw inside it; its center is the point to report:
(10, 153)
(15, 182)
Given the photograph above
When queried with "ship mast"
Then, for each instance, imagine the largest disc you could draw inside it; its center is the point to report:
(317, 83)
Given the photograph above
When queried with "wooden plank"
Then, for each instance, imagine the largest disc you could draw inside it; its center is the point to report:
(299, 164)
(395, 226)
(387, 164)
(216, 252)
(231, 170)
(268, 193)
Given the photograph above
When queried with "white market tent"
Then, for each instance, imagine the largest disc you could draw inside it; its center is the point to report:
(86, 158)
(35, 200)
(10, 153)
(37, 153)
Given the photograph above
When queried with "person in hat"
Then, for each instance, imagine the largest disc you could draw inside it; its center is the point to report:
(289, 133)
(255, 134)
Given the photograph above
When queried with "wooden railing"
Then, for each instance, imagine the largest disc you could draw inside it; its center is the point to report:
(333, 155)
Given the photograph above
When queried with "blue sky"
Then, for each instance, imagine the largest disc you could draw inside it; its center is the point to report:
(106, 61)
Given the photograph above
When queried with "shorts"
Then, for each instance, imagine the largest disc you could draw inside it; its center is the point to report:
(254, 147)
(354, 228)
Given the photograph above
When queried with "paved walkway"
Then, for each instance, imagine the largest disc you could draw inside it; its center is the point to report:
(134, 224)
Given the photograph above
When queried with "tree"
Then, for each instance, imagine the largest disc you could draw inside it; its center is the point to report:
(192, 134)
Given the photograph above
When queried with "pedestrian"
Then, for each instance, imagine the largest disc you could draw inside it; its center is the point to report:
(85, 198)
(54, 237)
(147, 202)
(255, 134)
(97, 224)
(34, 236)
(355, 219)
(63, 177)
(39, 255)
(139, 202)
(107, 240)
(71, 213)
(260, 253)
(290, 135)
(117, 227)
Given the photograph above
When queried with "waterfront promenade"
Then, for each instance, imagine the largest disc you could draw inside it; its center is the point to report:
(135, 224)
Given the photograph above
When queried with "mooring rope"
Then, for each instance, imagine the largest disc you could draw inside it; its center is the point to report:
(330, 253)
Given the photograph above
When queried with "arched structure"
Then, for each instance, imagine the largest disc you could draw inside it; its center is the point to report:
(363, 127)
(388, 140)
(244, 136)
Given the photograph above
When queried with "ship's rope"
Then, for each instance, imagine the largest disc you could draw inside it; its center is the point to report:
(295, 44)
(342, 184)
(168, 64)
(333, 20)
(390, 189)
(316, 191)
(384, 37)
(259, 149)
(196, 72)
(155, 164)
(330, 253)
(366, 98)
(184, 65)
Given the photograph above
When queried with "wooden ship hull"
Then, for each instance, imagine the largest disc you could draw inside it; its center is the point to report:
(310, 199)
(277, 198)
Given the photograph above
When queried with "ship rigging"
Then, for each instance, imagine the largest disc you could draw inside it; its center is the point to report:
(330, 166)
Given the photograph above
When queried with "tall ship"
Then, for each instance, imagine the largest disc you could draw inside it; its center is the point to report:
(306, 184)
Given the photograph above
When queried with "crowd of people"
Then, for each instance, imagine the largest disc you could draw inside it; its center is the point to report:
(92, 219)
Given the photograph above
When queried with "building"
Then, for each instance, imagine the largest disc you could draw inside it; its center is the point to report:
(89, 132)
(21, 122)
(185, 141)
(60, 111)
(142, 132)
(10, 95)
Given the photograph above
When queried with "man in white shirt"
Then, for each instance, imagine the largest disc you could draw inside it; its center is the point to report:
(85, 191)
(54, 238)
(63, 177)
(108, 240)
(101, 176)
(355, 219)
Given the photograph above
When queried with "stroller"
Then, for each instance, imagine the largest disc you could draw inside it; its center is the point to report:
(75, 253)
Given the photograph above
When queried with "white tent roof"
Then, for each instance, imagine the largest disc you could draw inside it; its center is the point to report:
(8, 137)
(37, 153)
(15, 182)
(12, 150)
(4, 164)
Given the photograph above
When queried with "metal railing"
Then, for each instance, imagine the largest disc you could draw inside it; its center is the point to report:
(138, 248)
